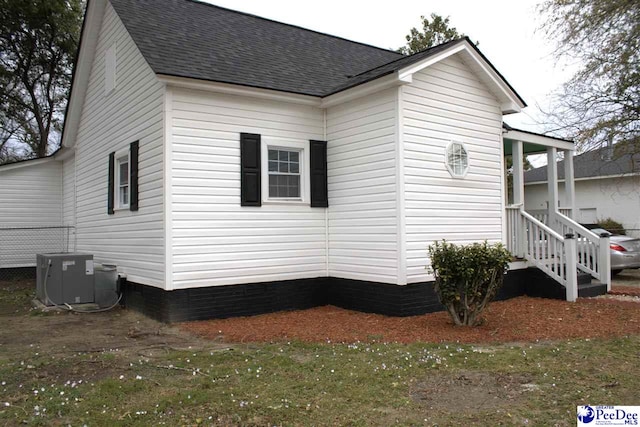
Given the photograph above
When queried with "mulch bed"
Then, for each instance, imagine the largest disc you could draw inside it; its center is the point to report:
(521, 319)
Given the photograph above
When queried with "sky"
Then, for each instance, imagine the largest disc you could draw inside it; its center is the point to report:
(506, 29)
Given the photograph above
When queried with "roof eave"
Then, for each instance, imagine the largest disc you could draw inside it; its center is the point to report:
(536, 139)
(367, 88)
(238, 89)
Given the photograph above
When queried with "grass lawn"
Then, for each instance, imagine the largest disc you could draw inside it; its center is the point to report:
(136, 372)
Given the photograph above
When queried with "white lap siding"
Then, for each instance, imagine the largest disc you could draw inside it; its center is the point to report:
(69, 198)
(361, 161)
(134, 241)
(30, 201)
(30, 194)
(215, 241)
(445, 103)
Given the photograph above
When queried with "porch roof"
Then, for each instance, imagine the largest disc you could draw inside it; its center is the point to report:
(533, 143)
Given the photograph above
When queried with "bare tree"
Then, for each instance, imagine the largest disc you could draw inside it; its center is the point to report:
(38, 43)
(600, 104)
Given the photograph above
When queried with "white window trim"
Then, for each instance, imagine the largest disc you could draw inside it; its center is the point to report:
(117, 206)
(446, 159)
(281, 144)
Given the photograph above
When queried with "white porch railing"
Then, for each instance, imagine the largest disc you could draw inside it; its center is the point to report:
(513, 226)
(593, 256)
(542, 215)
(565, 211)
(559, 249)
(545, 248)
(531, 239)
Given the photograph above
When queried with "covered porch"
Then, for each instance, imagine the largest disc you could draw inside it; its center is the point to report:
(551, 241)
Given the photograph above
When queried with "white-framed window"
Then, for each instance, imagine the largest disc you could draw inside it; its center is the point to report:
(122, 180)
(457, 159)
(284, 171)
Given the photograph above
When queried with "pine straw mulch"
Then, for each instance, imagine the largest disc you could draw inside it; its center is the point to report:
(521, 319)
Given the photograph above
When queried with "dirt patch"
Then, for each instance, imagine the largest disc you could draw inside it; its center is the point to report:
(68, 335)
(519, 319)
(15, 297)
(469, 392)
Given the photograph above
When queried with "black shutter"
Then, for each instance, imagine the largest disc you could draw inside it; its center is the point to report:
(250, 170)
(110, 190)
(133, 179)
(319, 193)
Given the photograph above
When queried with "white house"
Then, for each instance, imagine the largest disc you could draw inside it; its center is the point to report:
(229, 164)
(607, 185)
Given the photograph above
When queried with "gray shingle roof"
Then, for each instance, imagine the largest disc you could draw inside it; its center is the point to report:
(188, 38)
(390, 67)
(595, 163)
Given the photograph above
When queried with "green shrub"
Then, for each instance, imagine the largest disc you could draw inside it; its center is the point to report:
(612, 225)
(468, 277)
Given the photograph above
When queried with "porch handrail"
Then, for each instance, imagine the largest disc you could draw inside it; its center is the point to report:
(592, 250)
(542, 225)
(545, 248)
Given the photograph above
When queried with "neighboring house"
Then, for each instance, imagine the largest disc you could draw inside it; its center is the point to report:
(36, 210)
(232, 165)
(607, 185)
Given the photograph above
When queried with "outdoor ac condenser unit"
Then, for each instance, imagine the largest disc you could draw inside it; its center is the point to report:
(69, 278)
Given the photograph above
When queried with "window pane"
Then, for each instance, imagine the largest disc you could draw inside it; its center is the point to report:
(284, 167)
(294, 186)
(283, 156)
(294, 156)
(294, 167)
(124, 173)
(124, 196)
(273, 166)
(273, 154)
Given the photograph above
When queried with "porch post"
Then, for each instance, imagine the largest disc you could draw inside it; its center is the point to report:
(571, 269)
(517, 154)
(569, 184)
(604, 261)
(552, 186)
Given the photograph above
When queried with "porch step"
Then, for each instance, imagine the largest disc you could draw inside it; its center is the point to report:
(592, 289)
(583, 278)
(541, 285)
